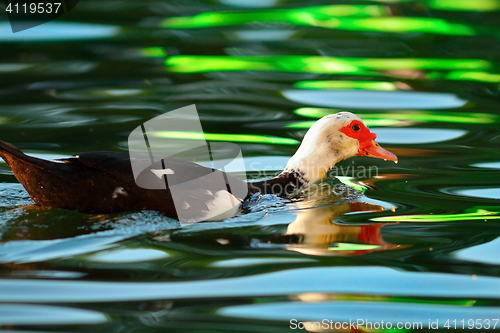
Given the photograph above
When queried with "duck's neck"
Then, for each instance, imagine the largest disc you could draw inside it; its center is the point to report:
(312, 168)
(284, 184)
(301, 169)
(313, 164)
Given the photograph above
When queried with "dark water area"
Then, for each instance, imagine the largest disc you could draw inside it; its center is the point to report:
(414, 244)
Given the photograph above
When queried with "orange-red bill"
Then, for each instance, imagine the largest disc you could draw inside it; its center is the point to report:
(373, 149)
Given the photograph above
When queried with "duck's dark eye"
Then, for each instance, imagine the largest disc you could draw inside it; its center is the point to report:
(355, 128)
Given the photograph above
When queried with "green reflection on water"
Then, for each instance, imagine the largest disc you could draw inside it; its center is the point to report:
(418, 63)
(475, 213)
(154, 52)
(316, 64)
(297, 16)
(465, 5)
(465, 76)
(304, 64)
(369, 18)
(352, 247)
(351, 181)
(224, 137)
(402, 25)
(363, 85)
(400, 299)
(384, 119)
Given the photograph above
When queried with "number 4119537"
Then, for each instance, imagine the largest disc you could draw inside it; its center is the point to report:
(32, 8)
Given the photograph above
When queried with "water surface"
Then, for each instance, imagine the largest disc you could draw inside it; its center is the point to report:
(412, 243)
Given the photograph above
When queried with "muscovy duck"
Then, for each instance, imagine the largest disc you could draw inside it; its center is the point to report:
(103, 182)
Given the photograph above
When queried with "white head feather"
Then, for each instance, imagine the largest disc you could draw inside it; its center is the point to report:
(323, 146)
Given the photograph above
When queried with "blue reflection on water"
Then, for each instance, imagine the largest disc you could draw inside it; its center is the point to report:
(52, 31)
(347, 280)
(417, 135)
(24, 314)
(375, 100)
(485, 253)
(127, 255)
(490, 193)
(489, 165)
(262, 35)
(367, 311)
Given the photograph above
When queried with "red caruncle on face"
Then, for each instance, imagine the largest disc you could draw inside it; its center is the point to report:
(357, 130)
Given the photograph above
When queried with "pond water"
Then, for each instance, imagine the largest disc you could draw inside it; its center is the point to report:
(413, 244)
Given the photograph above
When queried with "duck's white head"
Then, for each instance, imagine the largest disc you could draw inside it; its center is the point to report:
(331, 139)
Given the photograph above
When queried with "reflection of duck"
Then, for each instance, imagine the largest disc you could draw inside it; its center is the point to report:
(320, 235)
(102, 182)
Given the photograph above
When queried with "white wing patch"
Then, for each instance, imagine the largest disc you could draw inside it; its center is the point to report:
(223, 206)
(119, 191)
(161, 172)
